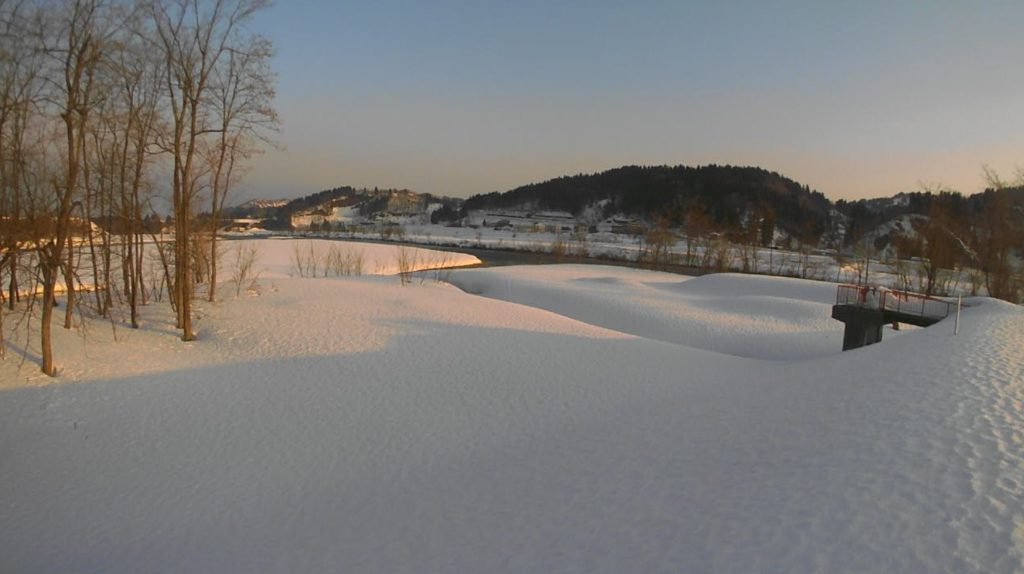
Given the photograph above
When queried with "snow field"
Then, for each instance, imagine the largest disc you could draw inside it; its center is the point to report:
(355, 424)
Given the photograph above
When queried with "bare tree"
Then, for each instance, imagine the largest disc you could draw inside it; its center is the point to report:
(134, 121)
(809, 239)
(18, 73)
(698, 226)
(76, 50)
(89, 91)
(194, 38)
(939, 239)
(994, 236)
(20, 67)
(242, 92)
(658, 240)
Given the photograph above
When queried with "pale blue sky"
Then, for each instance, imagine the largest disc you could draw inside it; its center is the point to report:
(455, 97)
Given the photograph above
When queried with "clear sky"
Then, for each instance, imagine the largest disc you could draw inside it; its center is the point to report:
(455, 97)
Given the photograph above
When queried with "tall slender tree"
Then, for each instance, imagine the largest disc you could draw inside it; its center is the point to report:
(194, 39)
(241, 94)
(76, 50)
(136, 101)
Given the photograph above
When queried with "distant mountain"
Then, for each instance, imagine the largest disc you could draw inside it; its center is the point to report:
(730, 196)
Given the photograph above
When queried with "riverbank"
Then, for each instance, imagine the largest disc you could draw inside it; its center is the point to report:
(501, 257)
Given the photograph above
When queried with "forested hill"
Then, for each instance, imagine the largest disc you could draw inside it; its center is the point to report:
(726, 194)
(739, 202)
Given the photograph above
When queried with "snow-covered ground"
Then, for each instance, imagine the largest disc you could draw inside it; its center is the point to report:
(597, 420)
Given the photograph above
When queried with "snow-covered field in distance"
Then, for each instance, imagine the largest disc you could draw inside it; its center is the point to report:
(827, 266)
(277, 256)
(596, 420)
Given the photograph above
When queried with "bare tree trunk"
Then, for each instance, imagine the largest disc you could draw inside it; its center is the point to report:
(3, 346)
(80, 58)
(194, 46)
(213, 264)
(13, 286)
(89, 197)
(47, 318)
(140, 285)
(69, 284)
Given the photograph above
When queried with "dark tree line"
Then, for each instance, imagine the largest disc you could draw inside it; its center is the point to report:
(724, 193)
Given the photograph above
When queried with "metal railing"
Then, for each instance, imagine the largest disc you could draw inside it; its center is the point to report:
(885, 299)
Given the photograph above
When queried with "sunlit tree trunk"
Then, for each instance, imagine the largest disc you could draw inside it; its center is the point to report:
(79, 53)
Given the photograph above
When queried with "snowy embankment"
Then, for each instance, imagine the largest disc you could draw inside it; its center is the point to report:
(279, 257)
(746, 316)
(613, 247)
(354, 424)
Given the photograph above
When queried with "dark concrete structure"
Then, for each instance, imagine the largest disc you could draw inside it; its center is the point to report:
(863, 325)
(865, 310)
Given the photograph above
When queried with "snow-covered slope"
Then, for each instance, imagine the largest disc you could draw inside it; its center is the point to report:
(277, 256)
(743, 315)
(355, 424)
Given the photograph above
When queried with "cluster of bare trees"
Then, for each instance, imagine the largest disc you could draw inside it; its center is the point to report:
(996, 236)
(978, 237)
(106, 106)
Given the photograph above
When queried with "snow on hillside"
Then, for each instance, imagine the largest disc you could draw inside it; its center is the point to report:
(355, 424)
(262, 203)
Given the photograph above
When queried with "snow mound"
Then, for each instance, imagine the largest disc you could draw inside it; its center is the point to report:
(743, 315)
(738, 285)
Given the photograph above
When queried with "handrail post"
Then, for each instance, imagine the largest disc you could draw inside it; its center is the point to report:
(956, 324)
